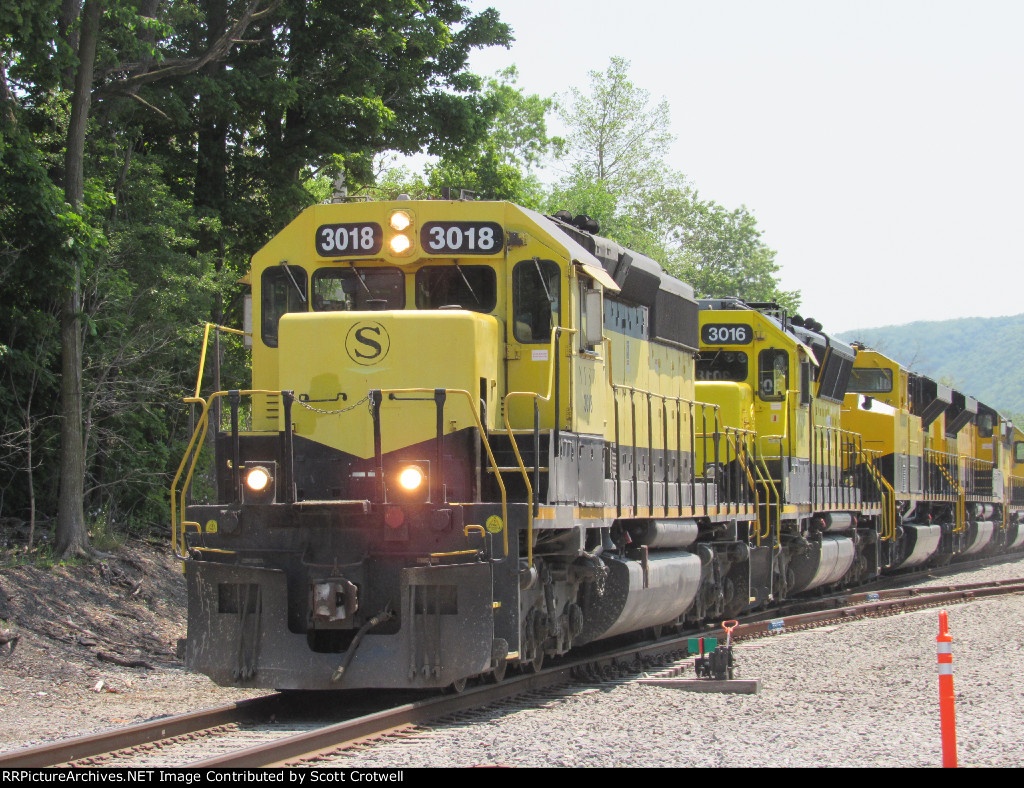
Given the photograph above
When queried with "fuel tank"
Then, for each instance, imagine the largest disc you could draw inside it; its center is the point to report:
(1017, 537)
(823, 564)
(641, 594)
(979, 534)
(920, 543)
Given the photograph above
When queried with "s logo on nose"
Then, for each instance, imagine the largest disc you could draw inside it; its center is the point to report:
(367, 343)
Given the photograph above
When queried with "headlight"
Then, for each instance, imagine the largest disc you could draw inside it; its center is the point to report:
(411, 478)
(400, 244)
(257, 479)
(400, 220)
(259, 483)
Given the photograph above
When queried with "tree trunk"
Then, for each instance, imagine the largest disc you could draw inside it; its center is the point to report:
(72, 537)
(31, 477)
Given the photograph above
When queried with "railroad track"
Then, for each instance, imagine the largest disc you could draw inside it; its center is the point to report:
(322, 744)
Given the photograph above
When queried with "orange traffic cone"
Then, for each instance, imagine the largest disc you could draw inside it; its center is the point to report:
(947, 700)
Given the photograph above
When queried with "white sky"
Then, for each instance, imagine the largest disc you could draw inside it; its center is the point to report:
(879, 143)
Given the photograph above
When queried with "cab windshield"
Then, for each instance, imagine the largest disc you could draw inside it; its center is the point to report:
(472, 287)
(352, 289)
(722, 365)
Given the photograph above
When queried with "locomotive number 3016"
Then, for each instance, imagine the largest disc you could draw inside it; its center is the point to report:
(726, 334)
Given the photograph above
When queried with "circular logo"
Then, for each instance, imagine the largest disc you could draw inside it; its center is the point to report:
(367, 343)
(494, 524)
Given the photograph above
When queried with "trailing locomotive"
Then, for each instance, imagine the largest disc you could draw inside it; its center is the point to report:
(477, 437)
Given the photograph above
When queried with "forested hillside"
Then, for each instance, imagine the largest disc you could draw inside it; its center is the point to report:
(981, 356)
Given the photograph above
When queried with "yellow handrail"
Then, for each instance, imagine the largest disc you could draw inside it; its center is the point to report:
(888, 496)
(961, 500)
(202, 427)
(487, 446)
(515, 448)
(772, 493)
(202, 355)
(193, 450)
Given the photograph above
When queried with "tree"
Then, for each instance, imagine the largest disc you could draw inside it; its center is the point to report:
(321, 89)
(617, 173)
(110, 42)
(147, 148)
(617, 138)
(501, 164)
(720, 252)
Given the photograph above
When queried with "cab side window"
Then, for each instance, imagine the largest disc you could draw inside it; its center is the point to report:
(284, 290)
(535, 300)
(772, 374)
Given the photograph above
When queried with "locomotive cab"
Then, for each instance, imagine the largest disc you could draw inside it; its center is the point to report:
(819, 491)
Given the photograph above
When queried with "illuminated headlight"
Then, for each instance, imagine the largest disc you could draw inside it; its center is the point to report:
(400, 244)
(257, 479)
(400, 220)
(411, 478)
(258, 482)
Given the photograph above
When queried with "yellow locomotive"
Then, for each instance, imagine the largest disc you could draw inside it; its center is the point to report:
(477, 436)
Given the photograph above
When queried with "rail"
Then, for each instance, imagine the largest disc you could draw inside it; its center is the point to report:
(1015, 492)
(206, 344)
(473, 403)
(838, 479)
(772, 492)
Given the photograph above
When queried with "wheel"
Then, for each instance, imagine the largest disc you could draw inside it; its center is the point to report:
(499, 661)
(497, 675)
(535, 664)
(457, 687)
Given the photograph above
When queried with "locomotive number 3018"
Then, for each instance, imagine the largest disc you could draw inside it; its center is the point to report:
(462, 237)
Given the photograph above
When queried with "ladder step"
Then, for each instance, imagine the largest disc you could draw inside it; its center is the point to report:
(509, 468)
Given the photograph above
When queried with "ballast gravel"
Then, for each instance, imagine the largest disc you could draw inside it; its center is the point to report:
(860, 694)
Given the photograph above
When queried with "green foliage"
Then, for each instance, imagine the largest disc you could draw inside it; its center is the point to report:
(617, 138)
(722, 253)
(617, 174)
(973, 353)
(191, 163)
(500, 164)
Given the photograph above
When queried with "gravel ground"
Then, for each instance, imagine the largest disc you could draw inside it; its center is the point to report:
(862, 694)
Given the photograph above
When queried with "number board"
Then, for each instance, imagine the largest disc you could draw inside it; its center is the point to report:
(462, 238)
(359, 239)
(726, 334)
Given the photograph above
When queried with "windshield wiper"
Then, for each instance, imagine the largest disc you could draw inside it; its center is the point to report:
(543, 282)
(468, 285)
(287, 270)
(359, 277)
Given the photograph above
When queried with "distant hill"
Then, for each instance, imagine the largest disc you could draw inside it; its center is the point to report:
(981, 356)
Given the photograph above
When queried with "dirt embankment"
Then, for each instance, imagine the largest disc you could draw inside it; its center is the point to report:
(93, 646)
